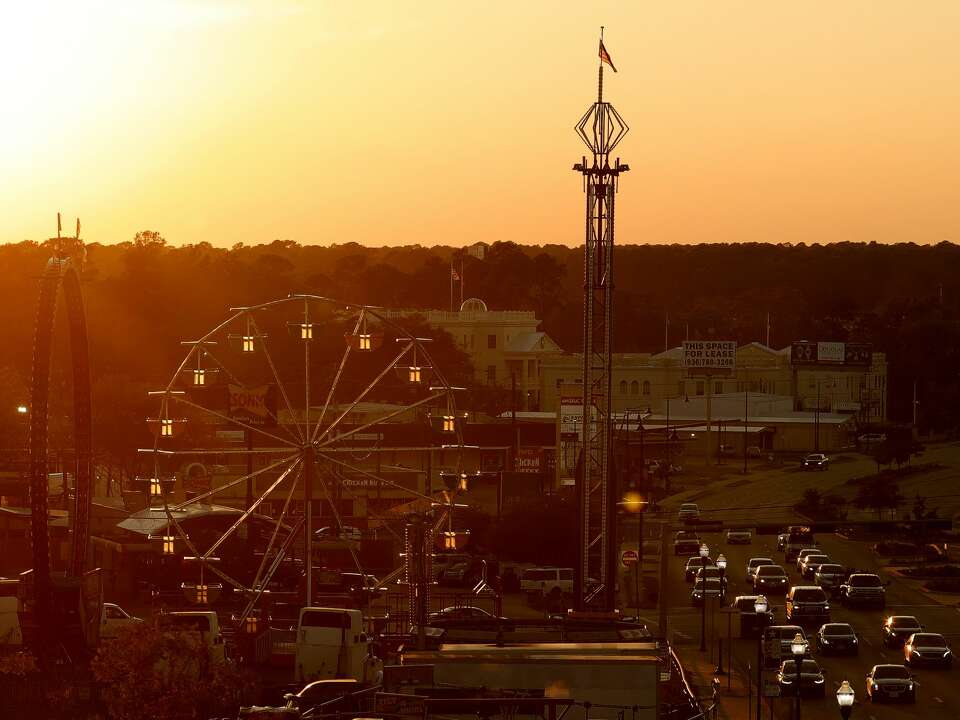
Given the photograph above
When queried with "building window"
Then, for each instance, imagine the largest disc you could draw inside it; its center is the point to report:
(718, 387)
(623, 387)
(634, 388)
(491, 374)
(700, 387)
(646, 387)
(491, 342)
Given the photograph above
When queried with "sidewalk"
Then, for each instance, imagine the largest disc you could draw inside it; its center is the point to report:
(732, 701)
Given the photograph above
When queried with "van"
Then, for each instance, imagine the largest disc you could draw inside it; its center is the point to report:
(204, 622)
(331, 643)
(547, 581)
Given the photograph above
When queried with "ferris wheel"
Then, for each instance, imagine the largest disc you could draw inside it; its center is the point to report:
(302, 391)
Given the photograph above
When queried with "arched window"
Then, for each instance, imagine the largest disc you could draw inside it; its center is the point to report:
(646, 387)
(623, 387)
(634, 388)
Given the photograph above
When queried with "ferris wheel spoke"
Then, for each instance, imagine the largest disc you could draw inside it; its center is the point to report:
(367, 389)
(339, 521)
(224, 451)
(389, 416)
(249, 511)
(376, 515)
(370, 475)
(258, 590)
(276, 377)
(244, 386)
(336, 381)
(234, 483)
(279, 523)
(234, 421)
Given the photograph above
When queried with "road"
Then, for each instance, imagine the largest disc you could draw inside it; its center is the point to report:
(937, 695)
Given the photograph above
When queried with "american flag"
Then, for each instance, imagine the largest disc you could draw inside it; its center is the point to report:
(605, 56)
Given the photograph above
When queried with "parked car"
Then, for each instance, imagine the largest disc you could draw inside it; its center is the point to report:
(694, 565)
(710, 586)
(347, 532)
(811, 678)
(815, 461)
(837, 638)
(830, 576)
(927, 649)
(863, 589)
(807, 602)
(897, 628)
(686, 542)
(770, 578)
(868, 439)
(808, 568)
(739, 537)
(891, 682)
(752, 565)
(689, 512)
(727, 450)
(464, 612)
(547, 581)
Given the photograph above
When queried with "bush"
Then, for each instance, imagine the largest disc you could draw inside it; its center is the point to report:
(895, 548)
(934, 571)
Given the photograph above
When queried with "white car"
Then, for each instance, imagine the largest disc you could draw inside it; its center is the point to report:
(752, 565)
(689, 512)
(739, 537)
(348, 532)
(547, 581)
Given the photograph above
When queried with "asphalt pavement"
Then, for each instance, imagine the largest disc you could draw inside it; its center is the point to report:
(938, 691)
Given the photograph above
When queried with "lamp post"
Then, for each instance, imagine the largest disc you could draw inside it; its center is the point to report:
(704, 552)
(633, 502)
(845, 699)
(760, 607)
(798, 648)
(722, 566)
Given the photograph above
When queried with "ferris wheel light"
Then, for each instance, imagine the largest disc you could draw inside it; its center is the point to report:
(199, 377)
(306, 333)
(449, 423)
(414, 375)
(247, 344)
(363, 342)
(168, 546)
(156, 488)
(449, 540)
(250, 623)
(166, 427)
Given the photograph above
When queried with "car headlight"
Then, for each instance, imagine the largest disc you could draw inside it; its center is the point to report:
(910, 686)
(818, 681)
(946, 653)
(854, 640)
(825, 641)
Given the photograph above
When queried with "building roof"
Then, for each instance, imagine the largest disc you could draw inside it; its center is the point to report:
(797, 417)
(151, 520)
(530, 342)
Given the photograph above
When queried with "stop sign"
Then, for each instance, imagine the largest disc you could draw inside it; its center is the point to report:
(628, 557)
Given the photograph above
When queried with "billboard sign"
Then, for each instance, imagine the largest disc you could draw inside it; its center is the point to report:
(709, 354)
(804, 352)
(255, 406)
(528, 460)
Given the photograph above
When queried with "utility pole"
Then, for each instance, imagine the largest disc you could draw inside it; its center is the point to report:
(709, 416)
(746, 410)
(816, 421)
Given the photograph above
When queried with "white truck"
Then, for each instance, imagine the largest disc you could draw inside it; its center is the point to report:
(331, 643)
(204, 622)
(112, 619)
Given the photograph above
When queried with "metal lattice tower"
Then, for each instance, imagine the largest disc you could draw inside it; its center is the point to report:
(601, 128)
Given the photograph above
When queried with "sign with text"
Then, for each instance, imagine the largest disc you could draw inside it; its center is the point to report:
(805, 352)
(709, 354)
(528, 460)
(629, 557)
(254, 406)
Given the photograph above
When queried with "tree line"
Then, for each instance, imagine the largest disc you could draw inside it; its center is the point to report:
(145, 296)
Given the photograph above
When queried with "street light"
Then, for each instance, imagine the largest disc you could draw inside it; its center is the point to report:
(760, 607)
(845, 698)
(798, 647)
(704, 553)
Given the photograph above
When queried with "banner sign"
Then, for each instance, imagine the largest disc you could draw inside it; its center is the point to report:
(528, 460)
(805, 352)
(709, 354)
(254, 406)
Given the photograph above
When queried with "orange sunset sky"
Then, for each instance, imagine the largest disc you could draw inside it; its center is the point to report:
(449, 122)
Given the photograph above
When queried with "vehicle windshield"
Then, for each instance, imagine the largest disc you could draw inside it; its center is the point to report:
(817, 559)
(830, 569)
(688, 506)
(865, 581)
(808, 666)
(698, 562)
(770, 571)
(904, 621)
(809, 595)
(891, 672)
(837, 630)
(757, 562)
(712, 583)
(928, 640)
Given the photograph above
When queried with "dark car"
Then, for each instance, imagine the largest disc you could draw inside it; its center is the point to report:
(770, 578)
(863, 589)
(323, 691)
(837, 638)
(891, 682)
(808, 568)
(686, 542)
(927, 649)
(815, 461)
(748, 615)
(811, 678)
(712, 587)
(783, 634)
(807, 603)
(712, 572)
(695, 565)
(782, 541)
(830, 576)
(897, 628)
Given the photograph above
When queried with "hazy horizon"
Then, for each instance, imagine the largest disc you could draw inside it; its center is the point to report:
(439, 124)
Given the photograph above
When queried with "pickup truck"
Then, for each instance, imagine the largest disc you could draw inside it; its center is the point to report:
(112, 619)
(863, 589)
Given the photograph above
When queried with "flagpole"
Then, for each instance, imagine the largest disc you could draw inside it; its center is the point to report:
(451, 284)
(461, 277)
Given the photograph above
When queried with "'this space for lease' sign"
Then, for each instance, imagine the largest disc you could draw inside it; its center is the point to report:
(714, 354)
